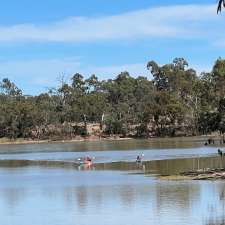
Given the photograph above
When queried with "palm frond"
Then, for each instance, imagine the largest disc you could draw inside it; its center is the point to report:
(221, 4)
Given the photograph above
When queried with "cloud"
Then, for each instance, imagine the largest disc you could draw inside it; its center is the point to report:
(178, 21)
(38, 75)
(35, 76)
(111, 71)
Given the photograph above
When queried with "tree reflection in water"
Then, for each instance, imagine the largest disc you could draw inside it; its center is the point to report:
(216, 222)
(215, 218)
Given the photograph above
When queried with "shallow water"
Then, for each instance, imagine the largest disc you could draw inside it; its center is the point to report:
(110, 151)
(109, 193)
(57, 197)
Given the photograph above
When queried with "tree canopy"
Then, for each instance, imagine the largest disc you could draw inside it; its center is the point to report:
(175, 101)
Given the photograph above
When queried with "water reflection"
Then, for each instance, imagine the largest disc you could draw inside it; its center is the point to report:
(101, 197)
(159, 143)
(167, 167)
(45, 190)
(162, 167)
(109, 151)
(216, 214)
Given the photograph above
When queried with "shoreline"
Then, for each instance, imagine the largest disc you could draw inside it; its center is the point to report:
(207, 175)
(6, 141)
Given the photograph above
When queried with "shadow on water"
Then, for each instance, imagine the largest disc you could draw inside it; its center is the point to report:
(161, 167)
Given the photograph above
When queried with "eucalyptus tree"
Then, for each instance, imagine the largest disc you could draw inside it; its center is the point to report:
(218, 78)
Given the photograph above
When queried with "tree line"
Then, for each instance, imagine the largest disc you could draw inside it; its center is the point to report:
(176, 101)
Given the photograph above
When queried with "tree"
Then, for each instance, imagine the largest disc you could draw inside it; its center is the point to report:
(175, 101)
(160, 74)
(218, 76)
(9, 88)
(78, 83)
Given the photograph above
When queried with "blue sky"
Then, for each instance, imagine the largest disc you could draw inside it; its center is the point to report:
(43, 40)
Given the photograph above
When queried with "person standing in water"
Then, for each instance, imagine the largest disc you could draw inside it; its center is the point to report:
(138, 159)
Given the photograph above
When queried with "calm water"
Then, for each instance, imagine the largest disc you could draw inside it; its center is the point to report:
(110, 151)
(110, 193)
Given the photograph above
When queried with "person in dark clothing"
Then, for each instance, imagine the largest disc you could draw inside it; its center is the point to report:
(138, 160)
(220, 152)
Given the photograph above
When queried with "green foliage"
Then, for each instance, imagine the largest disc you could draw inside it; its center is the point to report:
(175, 100)
(209, 122)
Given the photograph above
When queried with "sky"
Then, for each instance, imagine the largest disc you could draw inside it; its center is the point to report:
(45, 40)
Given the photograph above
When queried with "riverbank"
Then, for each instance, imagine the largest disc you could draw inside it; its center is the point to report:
(201, 138)
(209, 174)
(7, 141)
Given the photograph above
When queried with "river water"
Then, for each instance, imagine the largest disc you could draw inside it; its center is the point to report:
(115, 191)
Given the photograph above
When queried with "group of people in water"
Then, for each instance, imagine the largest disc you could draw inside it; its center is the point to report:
(89, 161)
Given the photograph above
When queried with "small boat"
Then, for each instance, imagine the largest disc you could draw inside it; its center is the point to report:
(86, 161)
(89, 163)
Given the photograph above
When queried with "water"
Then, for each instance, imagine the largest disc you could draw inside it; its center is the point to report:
(110, 151)
(112, 193)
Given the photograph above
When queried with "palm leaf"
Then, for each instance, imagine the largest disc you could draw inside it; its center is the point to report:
(221, 4)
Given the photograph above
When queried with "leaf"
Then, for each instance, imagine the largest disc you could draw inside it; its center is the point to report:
(221, 4)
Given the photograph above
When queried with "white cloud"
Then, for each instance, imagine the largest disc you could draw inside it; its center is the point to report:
(110, 72)
(36, 75)
(184, 21)
(187, 21)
